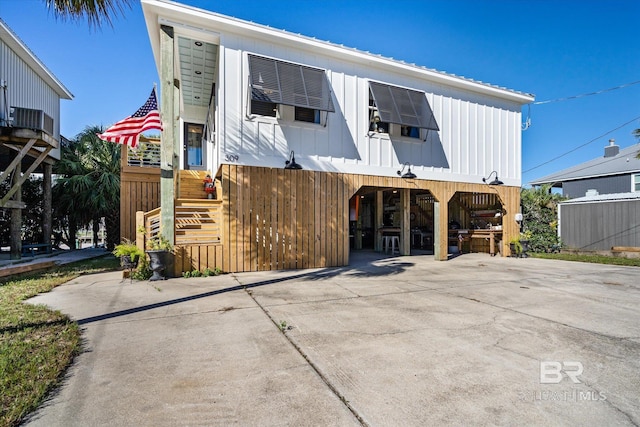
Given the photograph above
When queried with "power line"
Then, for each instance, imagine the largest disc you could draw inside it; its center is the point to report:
(583, 145)
(586, 94)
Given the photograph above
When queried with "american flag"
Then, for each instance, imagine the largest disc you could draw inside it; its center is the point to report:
(128, 130)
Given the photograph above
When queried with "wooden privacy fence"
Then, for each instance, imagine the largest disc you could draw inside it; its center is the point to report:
(283, 219)
(272, 219)
(139, 186)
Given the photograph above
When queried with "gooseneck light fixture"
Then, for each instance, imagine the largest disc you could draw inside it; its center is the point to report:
(496, 181)
(408, 174)
(291, 163)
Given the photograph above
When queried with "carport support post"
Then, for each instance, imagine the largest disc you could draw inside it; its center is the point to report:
(379, 220)
(437, 247)
(15, 227)
(47, 213)
(168, 158)
(405, 222)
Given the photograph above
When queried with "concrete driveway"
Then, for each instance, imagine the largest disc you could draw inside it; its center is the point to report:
(388, 341)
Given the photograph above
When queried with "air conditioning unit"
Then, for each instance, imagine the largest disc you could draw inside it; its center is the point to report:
(31, 119)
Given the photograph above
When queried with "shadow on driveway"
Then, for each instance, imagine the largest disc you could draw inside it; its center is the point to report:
(363, 266)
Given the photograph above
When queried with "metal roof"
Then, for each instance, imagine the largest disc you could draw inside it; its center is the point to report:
(603, 198)
(196, 18)
(622, 163)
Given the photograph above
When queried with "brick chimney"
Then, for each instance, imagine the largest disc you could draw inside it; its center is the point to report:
(612, 149)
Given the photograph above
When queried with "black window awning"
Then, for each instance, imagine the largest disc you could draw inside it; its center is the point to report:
(281, 82)
(403, 106)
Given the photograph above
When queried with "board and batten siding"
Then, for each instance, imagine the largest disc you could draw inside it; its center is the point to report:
(478, 133)
(26, 89)
(594, 226)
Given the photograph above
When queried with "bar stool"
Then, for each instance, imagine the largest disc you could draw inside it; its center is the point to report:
(386, 241)
(391, 242)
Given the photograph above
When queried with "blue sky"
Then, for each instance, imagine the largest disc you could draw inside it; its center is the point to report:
(550, 48)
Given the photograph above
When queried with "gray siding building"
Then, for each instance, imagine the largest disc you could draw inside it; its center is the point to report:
(618, 171)
(604, 206)
(601, 222)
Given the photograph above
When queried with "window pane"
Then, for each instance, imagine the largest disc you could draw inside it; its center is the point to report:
(262, 108)
(307, 115)
(193, 142)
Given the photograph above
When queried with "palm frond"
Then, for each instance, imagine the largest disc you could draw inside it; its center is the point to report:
(96, 12)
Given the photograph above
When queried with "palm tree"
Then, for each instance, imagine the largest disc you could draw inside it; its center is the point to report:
(88, 186)
(95, 12)
(540, 211)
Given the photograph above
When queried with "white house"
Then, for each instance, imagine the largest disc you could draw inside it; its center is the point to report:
(29, 127)
(248, 98)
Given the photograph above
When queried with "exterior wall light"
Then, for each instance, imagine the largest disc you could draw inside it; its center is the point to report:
(291, 163)
(496, 181)
(408, 174)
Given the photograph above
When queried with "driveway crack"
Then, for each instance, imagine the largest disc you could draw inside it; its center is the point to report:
(302, 353)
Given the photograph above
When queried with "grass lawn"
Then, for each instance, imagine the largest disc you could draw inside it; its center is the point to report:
(36, 344)
(596, 259)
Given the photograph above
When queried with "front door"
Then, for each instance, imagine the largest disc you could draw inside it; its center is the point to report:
(194, 147)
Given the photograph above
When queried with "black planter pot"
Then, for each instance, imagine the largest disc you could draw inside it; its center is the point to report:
(515, 250)
(127, 263)
(158, 264)
(525, 248)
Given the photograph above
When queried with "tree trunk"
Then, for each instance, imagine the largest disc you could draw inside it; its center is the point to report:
(96, 228)
(73, 231)
(112, 226)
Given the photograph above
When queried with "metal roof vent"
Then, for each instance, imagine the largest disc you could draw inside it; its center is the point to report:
(612, 149)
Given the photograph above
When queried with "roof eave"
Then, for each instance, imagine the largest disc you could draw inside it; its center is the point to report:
(154, 10)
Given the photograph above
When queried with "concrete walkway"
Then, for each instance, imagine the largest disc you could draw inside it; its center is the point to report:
(387, 341)
(59, 257)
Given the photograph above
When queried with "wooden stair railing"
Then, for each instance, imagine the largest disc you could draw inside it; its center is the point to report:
(198, 222)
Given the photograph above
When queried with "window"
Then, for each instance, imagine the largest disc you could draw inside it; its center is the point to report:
(635, 182)
(308, 115)
(277, 82)
(194, 148)
(405, 108)
(375, 121)
(410, 131)
(263, 108)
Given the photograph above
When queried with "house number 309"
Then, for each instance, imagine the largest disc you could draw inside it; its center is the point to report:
(231, 157)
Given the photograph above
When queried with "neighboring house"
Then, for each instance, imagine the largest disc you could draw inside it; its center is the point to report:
(29, 128)
(604, 207)
(390, 152)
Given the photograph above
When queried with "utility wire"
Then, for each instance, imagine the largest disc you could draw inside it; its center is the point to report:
(583, 145)
(586, 94)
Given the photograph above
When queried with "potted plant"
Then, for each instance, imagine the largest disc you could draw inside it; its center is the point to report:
(515, 246)
(525, 236)
(128, 253)
(158, 249)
